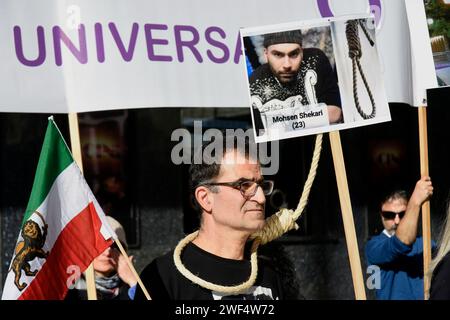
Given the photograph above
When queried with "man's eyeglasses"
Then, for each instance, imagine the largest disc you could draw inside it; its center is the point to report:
(248, 188)
(389, 215)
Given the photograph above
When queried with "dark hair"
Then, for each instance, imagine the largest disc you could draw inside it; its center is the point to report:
(395, 195)
(206, 171)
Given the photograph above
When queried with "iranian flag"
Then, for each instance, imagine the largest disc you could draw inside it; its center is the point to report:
(62, 231)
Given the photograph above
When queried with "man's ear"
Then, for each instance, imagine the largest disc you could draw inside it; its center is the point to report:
(203, 196)
(266, 53)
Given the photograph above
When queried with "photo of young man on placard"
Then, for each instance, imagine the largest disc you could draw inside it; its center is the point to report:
(294, 80)
(301, 82)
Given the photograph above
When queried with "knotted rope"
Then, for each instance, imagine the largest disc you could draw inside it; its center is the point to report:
(275, 226)
(355, 53)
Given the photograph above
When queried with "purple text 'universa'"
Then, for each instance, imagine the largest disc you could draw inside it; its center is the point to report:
(185, 38)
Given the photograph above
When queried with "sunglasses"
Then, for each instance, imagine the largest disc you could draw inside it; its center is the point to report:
(389, 215)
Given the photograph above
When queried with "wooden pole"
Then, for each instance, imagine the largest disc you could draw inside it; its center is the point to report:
(347, 216)
(130, 265)
(426, 225)
(76, 152)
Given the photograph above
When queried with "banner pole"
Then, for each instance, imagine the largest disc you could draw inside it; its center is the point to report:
(347, 216)
(130, 265)
(76, 152)
(426, 224)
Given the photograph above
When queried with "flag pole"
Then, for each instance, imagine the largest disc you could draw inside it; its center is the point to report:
(426, 225)
(347, 216)
(76, 152)
(130, 265)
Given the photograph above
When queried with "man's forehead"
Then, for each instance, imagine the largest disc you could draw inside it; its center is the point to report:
(284, 47)
(394, 203)
(237, 164)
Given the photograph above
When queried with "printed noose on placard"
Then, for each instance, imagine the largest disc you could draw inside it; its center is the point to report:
(355, 54)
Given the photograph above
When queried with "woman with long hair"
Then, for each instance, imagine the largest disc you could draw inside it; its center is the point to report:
(440, 265)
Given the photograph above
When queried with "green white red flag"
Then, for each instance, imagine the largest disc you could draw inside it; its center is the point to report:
(63, 230)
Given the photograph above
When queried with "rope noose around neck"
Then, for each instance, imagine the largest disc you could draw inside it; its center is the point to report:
(276, 225)
(355, 53)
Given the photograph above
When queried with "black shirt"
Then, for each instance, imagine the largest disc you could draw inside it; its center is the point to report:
(440, 281)
(164, 281)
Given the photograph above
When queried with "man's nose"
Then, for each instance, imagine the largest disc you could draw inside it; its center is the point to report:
(287, 63)
(259, 196)
(397, 219)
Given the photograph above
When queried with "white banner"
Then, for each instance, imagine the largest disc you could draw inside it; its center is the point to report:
(80, 55)
(423, 72)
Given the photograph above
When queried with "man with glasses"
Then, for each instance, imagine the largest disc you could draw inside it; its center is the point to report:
(230, 195)
(397, 251)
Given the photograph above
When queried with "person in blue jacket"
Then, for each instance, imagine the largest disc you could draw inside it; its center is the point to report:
(398, 251)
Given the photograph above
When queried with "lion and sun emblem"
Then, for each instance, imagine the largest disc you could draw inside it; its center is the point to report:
(29, 248)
